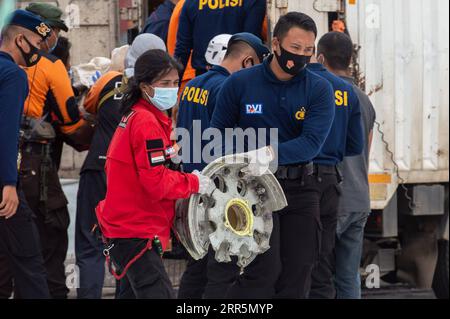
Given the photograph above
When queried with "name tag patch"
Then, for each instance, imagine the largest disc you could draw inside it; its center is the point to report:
(154, 145)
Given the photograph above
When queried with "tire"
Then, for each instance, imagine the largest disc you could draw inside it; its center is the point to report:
(441, 278)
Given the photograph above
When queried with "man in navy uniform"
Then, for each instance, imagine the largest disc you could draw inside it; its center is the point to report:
(334, 51)
(244, 50)
(201, 20)
(158, 22)
(19, 239)
(282, 94)
(345, 140)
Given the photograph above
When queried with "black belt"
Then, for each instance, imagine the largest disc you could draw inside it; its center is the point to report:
(325, 170)
(294, 172)
(34, 147)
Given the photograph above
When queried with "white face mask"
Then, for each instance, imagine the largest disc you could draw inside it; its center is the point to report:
(164, 99)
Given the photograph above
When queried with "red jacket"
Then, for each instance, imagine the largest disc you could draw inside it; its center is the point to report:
(141, 191)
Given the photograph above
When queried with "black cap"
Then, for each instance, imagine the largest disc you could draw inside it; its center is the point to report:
(252, 40)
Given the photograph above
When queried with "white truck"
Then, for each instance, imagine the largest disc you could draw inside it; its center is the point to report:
(402, 63)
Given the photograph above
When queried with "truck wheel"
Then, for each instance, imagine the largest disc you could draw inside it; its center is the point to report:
(440, 280)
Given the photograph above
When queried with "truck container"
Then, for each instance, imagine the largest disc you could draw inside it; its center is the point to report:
(401, 61)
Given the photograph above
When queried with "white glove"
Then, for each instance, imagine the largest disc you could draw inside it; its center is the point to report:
(204, 182)
(259, 161)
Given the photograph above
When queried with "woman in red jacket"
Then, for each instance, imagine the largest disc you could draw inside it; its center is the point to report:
(138, 211)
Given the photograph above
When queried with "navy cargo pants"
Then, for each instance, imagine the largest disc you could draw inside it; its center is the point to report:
(20, 256)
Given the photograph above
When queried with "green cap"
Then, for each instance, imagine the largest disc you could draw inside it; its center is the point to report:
(50, 13)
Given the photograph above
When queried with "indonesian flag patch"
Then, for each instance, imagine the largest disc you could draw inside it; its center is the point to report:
(156, 158)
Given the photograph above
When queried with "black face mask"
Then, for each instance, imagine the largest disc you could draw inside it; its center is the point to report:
(31, 58)
(292, 63)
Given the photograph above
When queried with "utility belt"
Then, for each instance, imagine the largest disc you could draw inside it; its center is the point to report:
(309, 169)
(36, 148)
(35, 130)
(293, 172)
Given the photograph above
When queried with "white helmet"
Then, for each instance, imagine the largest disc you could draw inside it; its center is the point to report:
(217, 49)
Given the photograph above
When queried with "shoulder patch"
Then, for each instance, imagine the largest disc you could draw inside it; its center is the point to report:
(154, 144)
(156, 158)
(123, 123)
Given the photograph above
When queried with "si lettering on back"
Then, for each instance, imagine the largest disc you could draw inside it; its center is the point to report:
(219, 4)
(341, 98)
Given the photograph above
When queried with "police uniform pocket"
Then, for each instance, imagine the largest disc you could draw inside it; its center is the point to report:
(22, 235)
(30, 179)
(56, 198)
(58, 218)
(51, 205)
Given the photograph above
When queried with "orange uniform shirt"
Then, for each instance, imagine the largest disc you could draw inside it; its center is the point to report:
(93, 96)
(189, 73)
(51, 94)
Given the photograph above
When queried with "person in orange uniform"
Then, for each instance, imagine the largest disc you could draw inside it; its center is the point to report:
(189, 72)
(50, 107)
(51, 95)
(338, 26)
(142, 186)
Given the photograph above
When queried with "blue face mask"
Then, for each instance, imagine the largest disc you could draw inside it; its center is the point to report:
(53, 47)
(164, 99)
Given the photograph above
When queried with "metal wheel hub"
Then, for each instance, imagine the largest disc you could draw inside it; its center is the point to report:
(235, 217)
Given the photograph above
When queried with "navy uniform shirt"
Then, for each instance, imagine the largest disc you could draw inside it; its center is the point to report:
(197, 103)
(13, 92)
(159, 20)
(346, 135)
(302, 109)
(202, 20)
